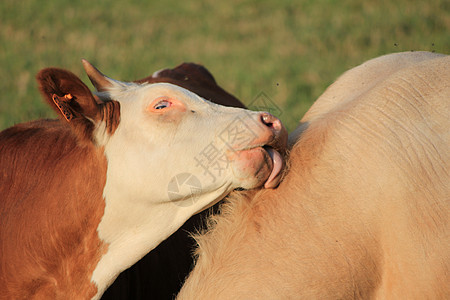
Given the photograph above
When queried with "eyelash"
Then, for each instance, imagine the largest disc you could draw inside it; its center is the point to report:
(162, 102)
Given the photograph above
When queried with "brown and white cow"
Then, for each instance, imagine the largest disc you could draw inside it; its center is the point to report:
(364, 211)
(85, 197)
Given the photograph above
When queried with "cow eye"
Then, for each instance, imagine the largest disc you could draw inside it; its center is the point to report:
(162, 104)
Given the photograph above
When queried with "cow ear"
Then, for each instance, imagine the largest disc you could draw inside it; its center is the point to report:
(73, 101)
(67, 94)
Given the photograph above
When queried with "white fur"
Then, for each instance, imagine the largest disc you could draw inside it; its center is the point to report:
(144, 154)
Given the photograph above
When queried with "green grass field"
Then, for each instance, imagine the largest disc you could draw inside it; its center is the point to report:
(289, 50)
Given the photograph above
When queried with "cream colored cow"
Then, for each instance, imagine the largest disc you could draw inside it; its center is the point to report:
(363, 211)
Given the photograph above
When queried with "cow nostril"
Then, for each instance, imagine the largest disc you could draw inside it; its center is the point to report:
(271, 121)
(267, 119)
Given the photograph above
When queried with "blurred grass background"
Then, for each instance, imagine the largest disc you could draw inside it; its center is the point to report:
(289, 50)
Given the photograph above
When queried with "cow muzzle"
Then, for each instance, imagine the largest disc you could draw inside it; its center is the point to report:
(261, 160)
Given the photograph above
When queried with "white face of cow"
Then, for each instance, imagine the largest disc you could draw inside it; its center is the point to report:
(166, 131)
(172, 155)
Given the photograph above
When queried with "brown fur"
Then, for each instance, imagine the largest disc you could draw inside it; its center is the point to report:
(364, 210)
(50, 208)
(51, 195)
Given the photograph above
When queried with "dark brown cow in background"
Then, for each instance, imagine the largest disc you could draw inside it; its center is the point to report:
(198, 80)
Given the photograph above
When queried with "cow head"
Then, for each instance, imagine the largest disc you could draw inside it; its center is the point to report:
(153, 132)
(180, 123)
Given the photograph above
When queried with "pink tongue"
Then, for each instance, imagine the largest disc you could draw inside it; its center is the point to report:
(277, 165)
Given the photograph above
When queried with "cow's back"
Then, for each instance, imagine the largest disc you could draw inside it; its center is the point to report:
(387, 121)
(398, 128)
